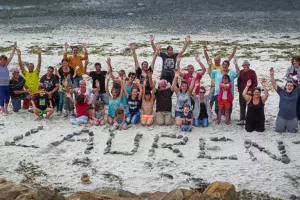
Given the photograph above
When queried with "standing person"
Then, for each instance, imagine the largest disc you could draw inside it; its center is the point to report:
(134, 104)
(4, 80)
(169, 59)
(51, 84)
(214, 66)
(225, 98)
(255, 120)
(99, 75)
(61, 72)
(183, 96)
(293, 74)
(217, 76)
(202, 110)
(75, 61)
(42, 105)
(287, 115)
(245, 74)
(114, 101)
(17, 91)
(186, 119)
(31, 77)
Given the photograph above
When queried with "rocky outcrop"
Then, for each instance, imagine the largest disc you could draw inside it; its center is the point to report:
(221, 190)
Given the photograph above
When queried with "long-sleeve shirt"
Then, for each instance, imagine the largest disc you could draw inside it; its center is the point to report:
(244, 77)
(73, 62)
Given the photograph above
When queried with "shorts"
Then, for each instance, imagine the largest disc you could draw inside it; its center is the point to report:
(147, 117)
(43, 111)
(224, 103)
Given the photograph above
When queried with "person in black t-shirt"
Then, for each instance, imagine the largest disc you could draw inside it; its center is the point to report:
(169, 59)
(42, 106)
(100, 76)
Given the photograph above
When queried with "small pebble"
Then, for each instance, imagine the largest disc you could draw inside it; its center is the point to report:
(176, 150)
(91, 133)
(33, 131)
(40, 128)
(179, 136)
(180, 155)
(27, 133)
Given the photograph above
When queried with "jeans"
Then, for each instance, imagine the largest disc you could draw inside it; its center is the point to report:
(76, 81)
(61, 101)
(199, 121)
(186, 128)
(133, 118)
(103, 97)
(16, 104)
(79, 120)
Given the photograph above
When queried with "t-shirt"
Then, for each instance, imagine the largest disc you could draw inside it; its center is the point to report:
(16, 85)
(50, 83)
(81, 109)
(61, 73)
(32, 80)
(164, 100)
(218, 76)
(288, 103)
(214, 67)
(182, 98)
(124, 98)
(88, 93)
(134, 105)
(73, 62)
(100, 77)
(189, 77)
(41, 102)
(185, 117)
(4, 75)
(168, 64)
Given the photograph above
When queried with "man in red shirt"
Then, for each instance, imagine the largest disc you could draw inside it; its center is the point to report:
(245, 74)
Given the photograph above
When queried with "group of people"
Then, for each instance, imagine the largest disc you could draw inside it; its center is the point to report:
(130, 98)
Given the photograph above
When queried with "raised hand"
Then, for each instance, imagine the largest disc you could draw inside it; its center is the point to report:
(205, 48)
(39, 51)
(66, 45)
(188, 39)
(18, 52)
(234, 48)
(15, 45)
(264, 82)
(197, 58)
(272, 71)
(177, 73)
(151, 38)
(178, 59)
(108, 61)
(158, 47)
(249, 82)
(209, 62)
(235, 61)
(131, 45)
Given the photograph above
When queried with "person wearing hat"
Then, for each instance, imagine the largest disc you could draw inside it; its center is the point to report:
(169, 59)
(31, 77)
(245, 74)
(99, 75)
(18, 90)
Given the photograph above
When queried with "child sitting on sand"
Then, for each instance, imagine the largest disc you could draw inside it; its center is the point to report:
(186, 119)
(42, 106)
(119, 120)
(224, 98)
(98, 113)
(81, 106)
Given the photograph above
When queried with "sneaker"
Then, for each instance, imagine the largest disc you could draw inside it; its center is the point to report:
(241, 123)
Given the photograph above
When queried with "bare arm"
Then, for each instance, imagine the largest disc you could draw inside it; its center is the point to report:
(106, 86)
(237, 69)
(12, 53)
(174, 87)
(190, 89)
(273, 79)
(151, 38)
(141, 87)
(186, 44)
(86, 63)
(20, 61)
(232, 54)
(194, 89)
(123, 89)
(209, 66)
(109, 67)
(85, 54)
(157, 50)
(178, 60)
(66, 51)
(201, 65)
(205, 53)
(245, 92)
(71, 98)
(39, 51)
(136, 62)
(56, 72)
(265, 97)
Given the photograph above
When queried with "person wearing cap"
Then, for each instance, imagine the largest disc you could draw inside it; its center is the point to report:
(215, 65)
(4, 80)
(99, 75)
(31, 77)
(245, 74)
(65, 68)
(76, 60)
(169, 59)
(18, 90)
(293, 74)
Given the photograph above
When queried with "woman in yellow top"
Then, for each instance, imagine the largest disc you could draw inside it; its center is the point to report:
(31, 77)
(75, 61)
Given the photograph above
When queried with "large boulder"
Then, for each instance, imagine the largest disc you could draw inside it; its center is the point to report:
(153, 196)
(178, 194)
(221, 190)
(95, 196)
(12, 191)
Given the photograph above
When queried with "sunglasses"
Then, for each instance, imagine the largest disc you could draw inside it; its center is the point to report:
(201, 92)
